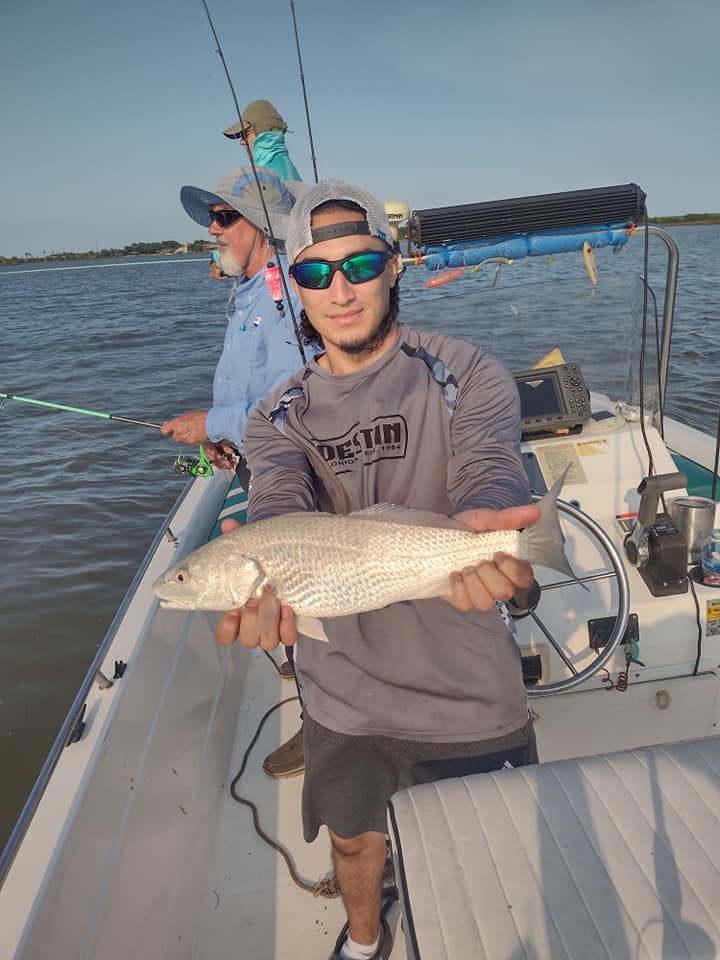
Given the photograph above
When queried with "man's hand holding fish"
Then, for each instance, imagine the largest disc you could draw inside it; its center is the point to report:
(262, 621)
(477, 588)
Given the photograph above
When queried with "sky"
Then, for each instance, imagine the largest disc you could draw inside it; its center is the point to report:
(110, 107)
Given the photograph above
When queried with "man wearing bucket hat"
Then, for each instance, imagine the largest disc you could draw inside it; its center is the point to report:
(263, 130)
(415, 691)
(260, 349)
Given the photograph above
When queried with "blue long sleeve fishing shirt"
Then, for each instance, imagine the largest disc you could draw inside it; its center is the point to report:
(260, 351)
(270, 150)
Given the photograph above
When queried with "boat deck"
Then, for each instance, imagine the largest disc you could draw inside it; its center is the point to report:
(252, 900)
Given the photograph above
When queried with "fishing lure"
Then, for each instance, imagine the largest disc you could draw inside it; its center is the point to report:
(590, 265)
(440, 279)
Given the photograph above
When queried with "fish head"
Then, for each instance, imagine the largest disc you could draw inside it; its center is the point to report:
(200, 582)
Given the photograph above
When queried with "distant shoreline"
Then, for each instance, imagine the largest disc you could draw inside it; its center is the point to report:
(171, 248)
(689, 220)
(164, 249)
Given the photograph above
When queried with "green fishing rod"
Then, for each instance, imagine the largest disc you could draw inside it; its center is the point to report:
(194, 466)
(88, 413)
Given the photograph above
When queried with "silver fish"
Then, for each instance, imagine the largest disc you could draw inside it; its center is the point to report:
(327, 565)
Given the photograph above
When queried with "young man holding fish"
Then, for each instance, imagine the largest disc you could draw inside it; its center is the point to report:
(420, 689)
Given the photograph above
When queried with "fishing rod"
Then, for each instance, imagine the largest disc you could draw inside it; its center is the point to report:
(270, 233)
(89, 413)
(302, 83)
(200, 466)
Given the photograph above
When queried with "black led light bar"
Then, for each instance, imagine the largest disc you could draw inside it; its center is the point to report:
(548, 211)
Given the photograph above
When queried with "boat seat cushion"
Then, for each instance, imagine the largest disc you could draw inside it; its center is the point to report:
(610, 856)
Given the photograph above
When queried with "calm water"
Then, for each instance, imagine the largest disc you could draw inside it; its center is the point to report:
(82, 497)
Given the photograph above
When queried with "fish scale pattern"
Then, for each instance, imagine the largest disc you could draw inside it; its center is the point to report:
(327, 566)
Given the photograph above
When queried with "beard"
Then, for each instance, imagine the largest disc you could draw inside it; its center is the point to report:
(229, 263)
(372, 340)
(312, 338)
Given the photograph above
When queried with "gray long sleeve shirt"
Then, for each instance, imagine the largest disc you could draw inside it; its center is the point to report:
(432, 424)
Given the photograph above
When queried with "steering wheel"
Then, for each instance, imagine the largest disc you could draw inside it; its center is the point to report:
(621, 608)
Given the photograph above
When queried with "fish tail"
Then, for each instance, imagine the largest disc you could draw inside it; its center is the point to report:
(543, 543)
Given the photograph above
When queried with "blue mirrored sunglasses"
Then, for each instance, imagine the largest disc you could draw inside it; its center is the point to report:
(357, 268)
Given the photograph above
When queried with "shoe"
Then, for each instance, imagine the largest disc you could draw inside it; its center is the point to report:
(286, 671)
(384, 947)
(288, 760)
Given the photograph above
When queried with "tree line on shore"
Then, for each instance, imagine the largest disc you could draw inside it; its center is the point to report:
(163, 247)
(689, 219)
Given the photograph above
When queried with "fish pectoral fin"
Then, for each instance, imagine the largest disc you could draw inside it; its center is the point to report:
(391, 513)
(311, 627)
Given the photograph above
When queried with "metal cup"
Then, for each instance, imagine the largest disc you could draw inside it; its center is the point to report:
(695, 518)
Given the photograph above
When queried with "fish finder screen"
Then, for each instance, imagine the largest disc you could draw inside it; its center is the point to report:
(539, 397)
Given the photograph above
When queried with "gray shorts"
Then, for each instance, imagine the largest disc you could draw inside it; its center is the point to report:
(349, 780)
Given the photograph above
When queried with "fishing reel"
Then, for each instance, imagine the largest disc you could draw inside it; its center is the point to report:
(192, 466)
(198, 466)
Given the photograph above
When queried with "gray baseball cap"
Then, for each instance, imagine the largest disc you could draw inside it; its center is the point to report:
(239, 189)
(300, 233)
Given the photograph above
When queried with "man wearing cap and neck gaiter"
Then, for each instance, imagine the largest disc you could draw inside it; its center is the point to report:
(415, 691)
(263, 130)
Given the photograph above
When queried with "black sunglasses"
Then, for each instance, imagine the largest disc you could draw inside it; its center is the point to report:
(357, 268)
(223, 218)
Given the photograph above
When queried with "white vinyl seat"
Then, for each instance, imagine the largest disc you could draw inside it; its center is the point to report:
(614, 856)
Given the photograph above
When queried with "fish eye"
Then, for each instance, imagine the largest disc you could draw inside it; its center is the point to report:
(182, 576)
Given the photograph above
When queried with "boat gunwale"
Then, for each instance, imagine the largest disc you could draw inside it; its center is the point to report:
(74, 713)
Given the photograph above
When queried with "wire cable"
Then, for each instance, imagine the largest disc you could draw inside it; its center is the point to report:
(323, 888)
(699, 626)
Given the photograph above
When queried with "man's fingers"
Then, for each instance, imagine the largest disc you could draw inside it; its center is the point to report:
(248, 634)
(519, 572)
(512, 518)
(227, 525)
(477, 588)
(516, 518)
(459, 597)
(288, 630)
(485, 584)
(226, 631)
(269, 619)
